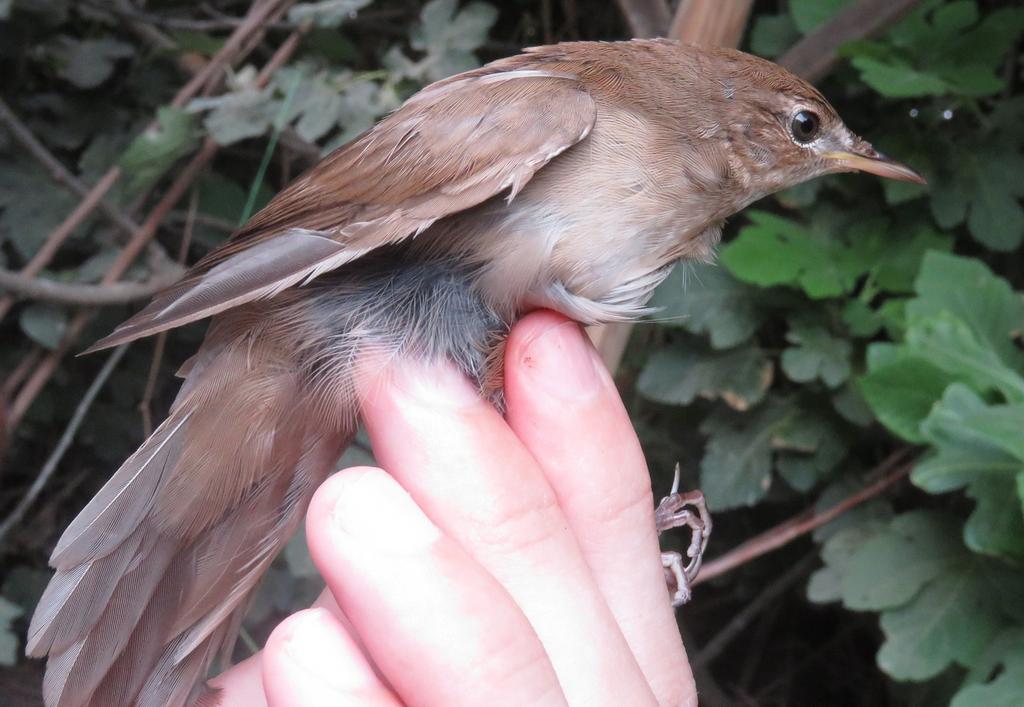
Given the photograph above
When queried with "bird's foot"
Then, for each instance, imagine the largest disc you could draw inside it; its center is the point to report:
(674, 511)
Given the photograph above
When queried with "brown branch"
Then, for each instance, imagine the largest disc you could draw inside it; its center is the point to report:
(84, 294)
(894, 471)
(94, 197)
(814, 56)
(718, 22)
(26, 501)
(20, 373)
(711, 22)
(27, 395)
(646, 18)
(57, 237)
(254, 24)
(721, 640)
(223, 22)
(46, 368)
(145, 405)
(144, 30)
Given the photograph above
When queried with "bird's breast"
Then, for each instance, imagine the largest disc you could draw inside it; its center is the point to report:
(593, 232)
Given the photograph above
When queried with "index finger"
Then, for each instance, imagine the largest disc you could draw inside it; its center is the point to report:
(582, 437)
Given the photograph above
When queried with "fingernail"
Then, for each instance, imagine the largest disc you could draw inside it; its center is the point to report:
(372, 508)
(437, 384)
(562, 361)
(315, 646)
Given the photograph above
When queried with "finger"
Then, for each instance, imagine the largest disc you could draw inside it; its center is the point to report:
(440, 629)
(460, 461)
(240, 685)
(563, 405)
(310, 661)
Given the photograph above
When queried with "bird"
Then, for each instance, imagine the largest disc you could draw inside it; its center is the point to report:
(571, 177)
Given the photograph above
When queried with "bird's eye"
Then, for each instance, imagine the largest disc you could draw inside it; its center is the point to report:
(805, 126)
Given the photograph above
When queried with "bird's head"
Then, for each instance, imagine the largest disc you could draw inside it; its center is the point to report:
(785, 132)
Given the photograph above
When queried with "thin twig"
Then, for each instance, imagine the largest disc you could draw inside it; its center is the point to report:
(646, 18)
(43, 372)
(721, 640)
(21, 371)
(76, 326)
(772, 539)
(144, 30)
(56, 238)
(814, 56)
(83, 294)
(224, 22)
(94, 197)
(711, 22)
(146, 404)
(259, 14)
(64, 177)
(15, 516)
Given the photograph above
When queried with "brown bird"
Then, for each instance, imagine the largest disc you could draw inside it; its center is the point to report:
(571, 177)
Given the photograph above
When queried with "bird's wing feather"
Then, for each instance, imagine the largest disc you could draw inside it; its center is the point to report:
(450, 147)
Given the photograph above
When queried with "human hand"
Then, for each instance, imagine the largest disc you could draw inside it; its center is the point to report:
(502, 562)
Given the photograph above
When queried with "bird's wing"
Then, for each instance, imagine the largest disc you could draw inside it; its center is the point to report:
(450, 147)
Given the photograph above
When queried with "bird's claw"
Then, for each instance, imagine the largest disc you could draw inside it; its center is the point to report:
(676, 510)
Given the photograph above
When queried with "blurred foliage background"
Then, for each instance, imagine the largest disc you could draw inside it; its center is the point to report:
(859, 342)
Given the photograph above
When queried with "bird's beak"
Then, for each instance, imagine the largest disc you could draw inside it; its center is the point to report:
(862, 157)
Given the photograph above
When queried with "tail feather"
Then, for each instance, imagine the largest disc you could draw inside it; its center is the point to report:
(124, 501)
(154, 575)
(67, 608)
(79, 670)
(178, 682)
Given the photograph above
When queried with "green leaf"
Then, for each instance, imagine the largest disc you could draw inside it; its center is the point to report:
(890, 568)
(739, 376)
(901, 392)
(706, 299)
(809, 14)
(898, 79)
(862, 321)
(89, 62)
(44, 323)
(948, 343)
(316, 105)
(737, 464)
(898, 269)
(200, 42)
(876, 513)
(826, 584)
(778, 251)
(950, 621)
(996, 527)
(1004, 690)
(817, 355)
(32, 207)
(225, 198)
(809, 448)
(951, 467)
(771, 35)
(980, 185)
(998, 425)
(8, 638)
(851, 405)
(940, 49)
(447, 38)
(240, 115)
(156, 150)
(328, 13)
(968, 289)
